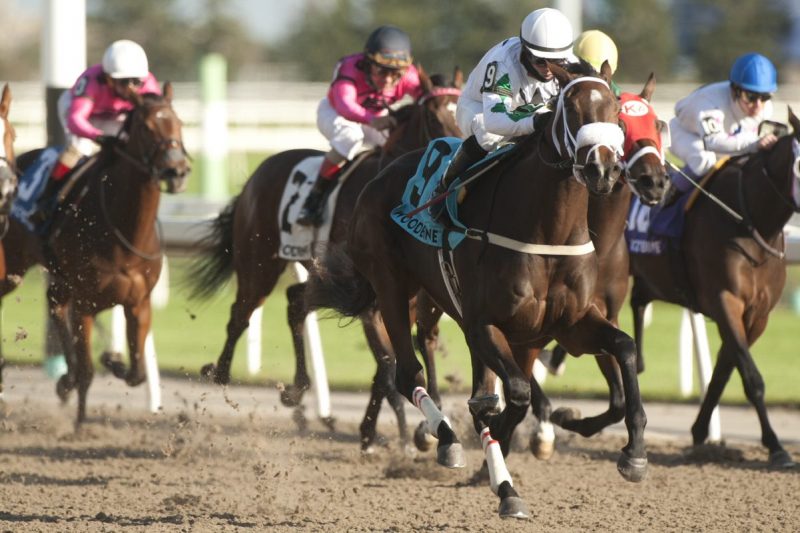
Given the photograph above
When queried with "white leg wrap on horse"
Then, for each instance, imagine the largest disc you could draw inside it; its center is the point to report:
(494, 461)
(546, 432)
(432, 413)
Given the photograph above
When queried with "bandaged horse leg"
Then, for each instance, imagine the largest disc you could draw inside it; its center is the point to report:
(449, 453)
(511, 505)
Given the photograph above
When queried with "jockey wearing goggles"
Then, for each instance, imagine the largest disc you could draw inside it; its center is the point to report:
(723, 118)
(508, 88)
(93, 110)
(354, 116)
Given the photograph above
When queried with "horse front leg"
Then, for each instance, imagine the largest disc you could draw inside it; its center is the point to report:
(735, 352)
(428, 315)
(59, 312)
(639, 303)
(594, 334)
(84, 374)
(296, 313)
(488, 350)
(138, 322)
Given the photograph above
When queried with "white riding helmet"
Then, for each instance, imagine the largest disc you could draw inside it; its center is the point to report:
(547, 33)
(125, 59)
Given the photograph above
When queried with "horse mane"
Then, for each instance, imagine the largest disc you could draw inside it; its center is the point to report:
(581, 68)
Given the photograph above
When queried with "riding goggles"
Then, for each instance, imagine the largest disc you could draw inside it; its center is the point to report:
(752, 97)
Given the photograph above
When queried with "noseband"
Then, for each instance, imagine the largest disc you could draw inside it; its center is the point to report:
(594, 134)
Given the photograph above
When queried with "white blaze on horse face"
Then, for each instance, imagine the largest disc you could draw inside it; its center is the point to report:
(595, 96)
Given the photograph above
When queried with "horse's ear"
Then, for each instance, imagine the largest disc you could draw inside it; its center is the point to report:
(424, 80)
(167, 91)
(458, 78)
(795, 122)
(649, 88)
(5, 102)
(560, 74)
(605, 71)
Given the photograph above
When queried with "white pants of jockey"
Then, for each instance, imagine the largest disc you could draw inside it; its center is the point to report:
(689, 147)
(84, 145)
(346, 137)
(469, 117)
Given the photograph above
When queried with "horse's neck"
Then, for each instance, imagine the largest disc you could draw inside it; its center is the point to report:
(768, 204)
(607, 216)
(132, 202)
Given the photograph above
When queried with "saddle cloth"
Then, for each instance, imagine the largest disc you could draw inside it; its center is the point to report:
(31, 185)
(302, 243)
(420, 189)
(650, 229)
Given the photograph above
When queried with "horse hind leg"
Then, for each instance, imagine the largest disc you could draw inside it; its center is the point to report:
(82, 326)
(383, 385)
(570, 418)
(296, 313)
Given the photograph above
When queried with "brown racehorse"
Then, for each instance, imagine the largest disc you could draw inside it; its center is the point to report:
(8, 184)
(646, 176)
(244, 239)
(735, 271)
(104, 249)
(526, 292)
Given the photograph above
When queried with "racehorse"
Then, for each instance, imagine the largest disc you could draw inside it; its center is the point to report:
(244, 241)
(8, 183)
(645, 175)
(528, 274)
(104, 248)
(733, 271)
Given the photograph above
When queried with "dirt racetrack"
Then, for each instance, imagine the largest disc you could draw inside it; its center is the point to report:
(200, 469)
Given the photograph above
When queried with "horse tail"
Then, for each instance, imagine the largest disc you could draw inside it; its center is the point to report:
(214, 267)
(335, 284)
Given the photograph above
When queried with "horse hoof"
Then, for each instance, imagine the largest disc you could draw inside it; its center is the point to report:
(329, 422)
(112, 362)
(451, 455)
(409, 451)
(564, 415)
(208, 371)
(423, 439)
(633, 469)
(513, 507)
(63, 388)
(780, 459)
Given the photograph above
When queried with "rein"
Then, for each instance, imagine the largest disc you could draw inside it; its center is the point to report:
(118, 234)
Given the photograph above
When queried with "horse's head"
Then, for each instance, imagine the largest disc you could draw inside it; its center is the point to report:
(430, 117)
(795, 123)
(585, 126)
(155, 139)
(8, 164)
(646, 137)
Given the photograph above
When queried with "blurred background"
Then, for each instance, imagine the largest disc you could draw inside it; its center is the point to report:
(279, 56)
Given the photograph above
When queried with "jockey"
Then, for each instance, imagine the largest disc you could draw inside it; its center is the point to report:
(504, 92)
(594, 47)
(94, 109)
(722, 119)
(354, 115)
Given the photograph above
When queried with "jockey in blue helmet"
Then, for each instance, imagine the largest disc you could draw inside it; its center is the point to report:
(723, 118)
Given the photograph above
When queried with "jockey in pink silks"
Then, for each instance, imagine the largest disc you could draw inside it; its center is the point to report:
(94, 109)
(354, 114)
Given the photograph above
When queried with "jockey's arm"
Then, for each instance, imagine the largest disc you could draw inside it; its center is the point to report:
(717, 140)
(501, 120)
(344, 99)
(78, 118)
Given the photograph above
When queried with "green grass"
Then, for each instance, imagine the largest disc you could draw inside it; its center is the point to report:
(188, 335)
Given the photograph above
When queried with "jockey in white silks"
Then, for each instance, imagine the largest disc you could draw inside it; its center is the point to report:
(722, 119)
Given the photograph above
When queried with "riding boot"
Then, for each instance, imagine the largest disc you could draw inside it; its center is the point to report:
(469, 153)
(311, 214)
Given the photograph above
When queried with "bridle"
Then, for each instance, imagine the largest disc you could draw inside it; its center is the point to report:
(593, 134)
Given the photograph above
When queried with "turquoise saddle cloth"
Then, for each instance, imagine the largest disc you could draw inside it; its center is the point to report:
(420, 189)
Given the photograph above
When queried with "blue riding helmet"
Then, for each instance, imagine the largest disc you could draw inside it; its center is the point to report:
(755, 73)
